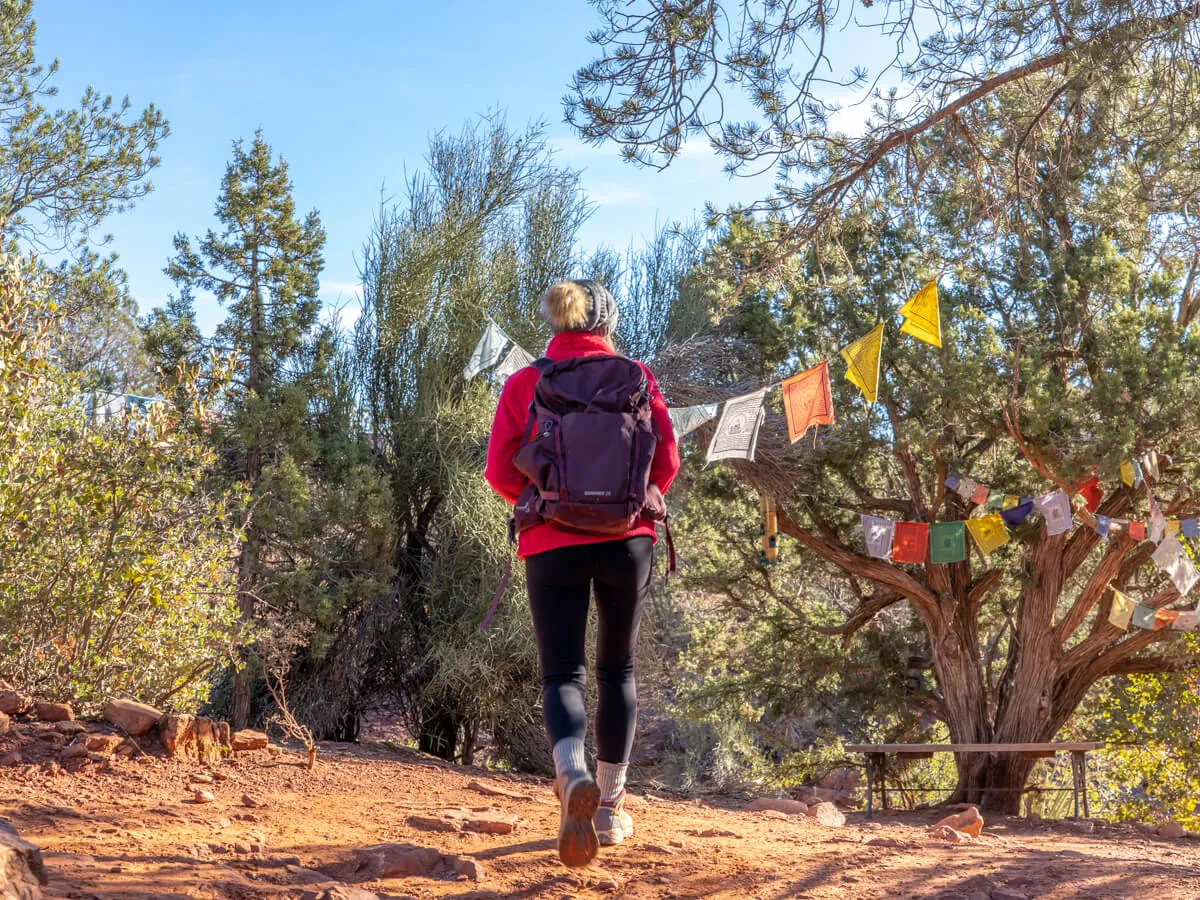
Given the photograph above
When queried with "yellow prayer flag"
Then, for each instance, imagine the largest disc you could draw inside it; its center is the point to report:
(922, 318)
(1172, 527)
(1122, 610)
(1011, 500)
(862, 362)
(989, 532)
(1128, 476)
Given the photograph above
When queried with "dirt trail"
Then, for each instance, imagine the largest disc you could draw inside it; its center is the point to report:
(133, 830)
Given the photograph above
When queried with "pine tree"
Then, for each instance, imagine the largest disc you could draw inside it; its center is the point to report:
(264, 268)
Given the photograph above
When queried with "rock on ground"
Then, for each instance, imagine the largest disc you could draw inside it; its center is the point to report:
(13, 703)
(403, 861)
(968, 822)
(21, 871)
(177, 733)
(131, 716)
(827, 814)
(54, 712)
(775, 804)
(1171, 830)
(248, 740)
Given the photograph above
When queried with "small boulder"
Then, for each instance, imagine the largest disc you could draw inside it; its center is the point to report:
(827, 814)
(13, 703)
(339, 892)
(21, 870)
(103, 743)
(246, 739)
(10, 759)
(177, 733)
(132, 717)
(204, 797)
(1170, 830)
(946, 833)
(201, 778)
(774, 804)
(399, 860)
(435, 823)
(5, 724)
(74, 751)
(252, 802)
(968, 822)
(468, 867)
(54, 712)
(1083, 826)
(70, 727)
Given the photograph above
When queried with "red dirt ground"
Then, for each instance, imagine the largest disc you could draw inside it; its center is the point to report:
(132, 830)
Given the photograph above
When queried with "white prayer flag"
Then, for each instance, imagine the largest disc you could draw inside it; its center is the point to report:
(1055, 508)
(1158, 522)
(1186, 620)
(1171, 558)
(966, 487)
(488, 352)
(686, 419)
(878, 534)
(736, 436)
(517, 359)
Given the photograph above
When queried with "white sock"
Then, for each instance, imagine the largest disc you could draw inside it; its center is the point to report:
(569, 756)
(611, 778)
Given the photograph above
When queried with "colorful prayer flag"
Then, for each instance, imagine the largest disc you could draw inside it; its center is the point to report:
(947, 542)
(1164, 617)
(1187, 620)
(981, 494)
(1137, 530)
(1143, 617)
(1091, 493)
(518, 358)
(922, 318)
(1011, 500)
(1055, 508)
(1190, 528)
(910, 542)
(488, 352)
(1149, 465)
(1016, 515)
(1173, 527)
(1131, 473)
(1103, 524)
(995, 500)
(1171, 558)
(862, 362)
(988, 532)
(686, 419)
(952, 481)
(966, 487)
(1122, 610)
(736, 436)
(807, 401)
(878, 534)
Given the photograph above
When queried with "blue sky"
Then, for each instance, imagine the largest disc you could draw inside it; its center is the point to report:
(347, 93)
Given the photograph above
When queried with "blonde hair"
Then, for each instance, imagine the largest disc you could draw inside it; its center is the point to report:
(565, 306)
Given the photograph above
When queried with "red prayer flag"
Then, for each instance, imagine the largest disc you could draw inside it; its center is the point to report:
(1090, 491)
(1137, 530)
(807, 401)
(910, 542)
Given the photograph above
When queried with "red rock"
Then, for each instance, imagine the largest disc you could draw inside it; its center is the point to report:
(435, 823)
(13, 703)
(70, 727)
(969, 822)
(248, 740)
(204, 797)
(946, 833)
(494, 823)
(177, 733)
(21, 871)
(5, 724)
(104, 743)
(1171, 830)
(11, 759)
(75, 751)
(788, 807)
(54, 712)
(132, 717)
(827, 814)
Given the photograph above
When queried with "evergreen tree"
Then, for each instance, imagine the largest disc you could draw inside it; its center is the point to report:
(263, 266)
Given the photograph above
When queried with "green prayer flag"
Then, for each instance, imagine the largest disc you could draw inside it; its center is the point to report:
(947, 542)
(996, 500)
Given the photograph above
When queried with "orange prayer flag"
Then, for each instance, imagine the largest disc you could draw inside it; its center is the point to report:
(808, 401)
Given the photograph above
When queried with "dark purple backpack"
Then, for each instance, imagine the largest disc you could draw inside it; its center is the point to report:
(588, 447)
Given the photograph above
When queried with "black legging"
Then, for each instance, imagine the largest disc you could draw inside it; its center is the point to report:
(560, 583)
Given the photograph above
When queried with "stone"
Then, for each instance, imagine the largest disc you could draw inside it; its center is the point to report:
(1004, 893)
(13, 703)
(946, 833)
(74, 751)
(490, 791)
(54, 712)
(894, 843)
(339, 892)
(1170, 830)
(827, 814)
(204, 797)
(103, 743)
(252, 802)
(305, 876)
(491, 823)
(435, 823)
(22, 872)
(1083, 826)
(608, 885)
(130, 716)
(465, 865)
(11, 759)
(70, 727)
(5, 724)
(968, 822)
(177, 733)
(400, 860)
(201, 778)
(126, 749)
(788, 807)
(246, 739)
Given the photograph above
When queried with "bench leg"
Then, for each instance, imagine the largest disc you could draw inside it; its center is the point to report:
(1079, 764)
(870, 784)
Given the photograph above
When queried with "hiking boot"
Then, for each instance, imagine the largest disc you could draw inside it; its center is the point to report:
(579, 798)
(613, 824)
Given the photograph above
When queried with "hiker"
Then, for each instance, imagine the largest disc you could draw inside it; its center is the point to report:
(582, 446)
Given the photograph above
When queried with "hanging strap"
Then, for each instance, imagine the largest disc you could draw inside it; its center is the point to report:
(498, 595)
(672, 567)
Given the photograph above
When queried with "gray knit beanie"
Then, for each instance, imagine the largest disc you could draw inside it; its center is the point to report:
(602, 311)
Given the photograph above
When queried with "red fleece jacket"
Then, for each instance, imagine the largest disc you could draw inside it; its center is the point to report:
(508, 429)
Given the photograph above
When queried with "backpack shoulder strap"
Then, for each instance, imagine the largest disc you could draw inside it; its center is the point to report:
(542, 365)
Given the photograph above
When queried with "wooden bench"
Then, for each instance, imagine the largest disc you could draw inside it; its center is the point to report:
(877, 755)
